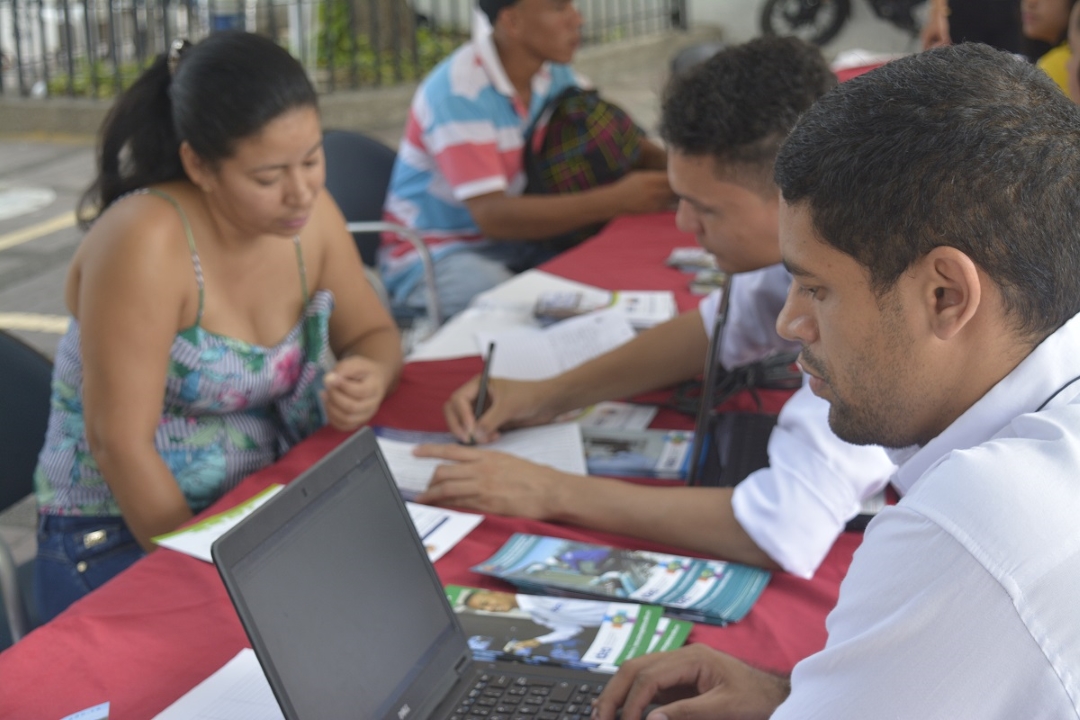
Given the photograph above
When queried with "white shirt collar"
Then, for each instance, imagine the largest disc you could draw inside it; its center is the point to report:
(1047, 370)
(484, 44)
(483, 41)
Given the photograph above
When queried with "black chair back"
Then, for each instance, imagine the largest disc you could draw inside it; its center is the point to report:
(357, 175)
(25, 380)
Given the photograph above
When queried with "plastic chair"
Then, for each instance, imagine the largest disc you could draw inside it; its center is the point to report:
(25, 380)
(358, 175)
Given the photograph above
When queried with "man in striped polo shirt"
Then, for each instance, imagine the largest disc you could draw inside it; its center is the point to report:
(459, 174)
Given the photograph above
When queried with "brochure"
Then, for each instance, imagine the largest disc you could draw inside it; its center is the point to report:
(691, 259)
(643, 308)
(547, 630)
(663, 454)
(705, 281)
(613, 415)
(439, 529)
(195, 540)
(708, 591)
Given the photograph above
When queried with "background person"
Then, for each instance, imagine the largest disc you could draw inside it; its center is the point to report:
(1072, 67)
(202, 299)
(459, 172)
(931, 220)
(1048, 21)
(994, 22)
(723, 122)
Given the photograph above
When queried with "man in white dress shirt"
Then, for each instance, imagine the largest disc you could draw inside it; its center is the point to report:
(931, 221)
(723, 122)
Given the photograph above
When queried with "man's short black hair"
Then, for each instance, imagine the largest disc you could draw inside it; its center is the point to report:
(740, 104)
(964, 146)
(491, 8)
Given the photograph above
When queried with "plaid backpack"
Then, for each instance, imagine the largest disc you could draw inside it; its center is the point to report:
(587, 142)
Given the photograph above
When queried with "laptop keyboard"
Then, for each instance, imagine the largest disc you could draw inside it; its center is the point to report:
(521, 697)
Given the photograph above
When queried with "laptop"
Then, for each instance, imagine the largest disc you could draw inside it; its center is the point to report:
(348, 618)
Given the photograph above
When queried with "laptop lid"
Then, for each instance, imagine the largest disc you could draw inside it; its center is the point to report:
(335, 591)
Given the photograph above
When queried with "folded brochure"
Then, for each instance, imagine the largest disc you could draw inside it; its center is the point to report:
(708, 591)
(546, 630)
(661, 454)
(439, 529)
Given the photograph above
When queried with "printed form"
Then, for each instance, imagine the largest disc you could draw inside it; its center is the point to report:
(537, 354)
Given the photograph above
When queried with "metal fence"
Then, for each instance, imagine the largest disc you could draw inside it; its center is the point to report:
(94, 48)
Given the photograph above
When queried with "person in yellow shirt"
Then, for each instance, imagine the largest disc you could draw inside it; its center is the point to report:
(1072, 67)
(1048, 21)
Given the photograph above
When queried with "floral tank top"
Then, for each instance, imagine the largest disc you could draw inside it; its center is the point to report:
(230, 407)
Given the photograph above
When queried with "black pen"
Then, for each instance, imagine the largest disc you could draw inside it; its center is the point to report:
(481, 395)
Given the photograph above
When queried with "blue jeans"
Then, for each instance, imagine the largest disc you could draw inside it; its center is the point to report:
(76, 555)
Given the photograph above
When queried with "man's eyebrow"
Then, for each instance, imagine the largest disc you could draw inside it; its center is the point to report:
(795, 269)
(698, 204)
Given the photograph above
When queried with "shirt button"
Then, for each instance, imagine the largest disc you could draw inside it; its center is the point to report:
(81, 566)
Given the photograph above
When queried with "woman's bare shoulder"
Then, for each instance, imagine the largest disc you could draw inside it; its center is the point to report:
(139, 241)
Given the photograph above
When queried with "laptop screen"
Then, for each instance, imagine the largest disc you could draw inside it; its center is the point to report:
(341, 596)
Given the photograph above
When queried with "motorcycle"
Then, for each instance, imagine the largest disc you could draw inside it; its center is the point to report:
(819, 21)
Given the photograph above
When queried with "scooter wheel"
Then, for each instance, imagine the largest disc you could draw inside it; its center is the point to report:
(816, 21)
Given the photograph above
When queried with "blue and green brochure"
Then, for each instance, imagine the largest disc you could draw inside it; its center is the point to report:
(545, 630)
(708, 591)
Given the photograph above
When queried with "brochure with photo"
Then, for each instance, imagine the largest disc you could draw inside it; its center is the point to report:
(708, 591)
(663, 454)
(548, 630)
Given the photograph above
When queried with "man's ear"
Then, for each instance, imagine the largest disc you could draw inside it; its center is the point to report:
(951, 289)
(510, 22)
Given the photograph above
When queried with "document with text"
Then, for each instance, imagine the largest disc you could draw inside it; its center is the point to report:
(537, 354)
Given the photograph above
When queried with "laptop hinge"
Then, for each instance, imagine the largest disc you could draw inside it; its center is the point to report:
(461, 664)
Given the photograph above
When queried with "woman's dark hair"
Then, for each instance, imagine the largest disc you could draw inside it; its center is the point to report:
(224, 89)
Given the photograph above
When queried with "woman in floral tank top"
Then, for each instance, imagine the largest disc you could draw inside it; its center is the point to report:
(205, 298)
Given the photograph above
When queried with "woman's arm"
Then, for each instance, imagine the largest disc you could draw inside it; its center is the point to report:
(363, 336)
(129, 291)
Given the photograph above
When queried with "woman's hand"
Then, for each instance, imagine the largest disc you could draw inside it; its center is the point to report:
(353, 390)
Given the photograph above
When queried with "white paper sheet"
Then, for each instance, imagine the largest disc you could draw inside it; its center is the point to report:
(558, 446)
(508, 305)
(98, 712)
(441, 529)
(536, 354)
(238, 691)
(197, 539)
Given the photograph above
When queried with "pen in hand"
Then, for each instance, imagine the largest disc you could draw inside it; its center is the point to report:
(481, 394)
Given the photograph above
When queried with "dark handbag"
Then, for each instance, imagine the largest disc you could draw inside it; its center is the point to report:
(587, 142)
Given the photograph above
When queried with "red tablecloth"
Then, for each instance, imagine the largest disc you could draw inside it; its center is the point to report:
(164, 625)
